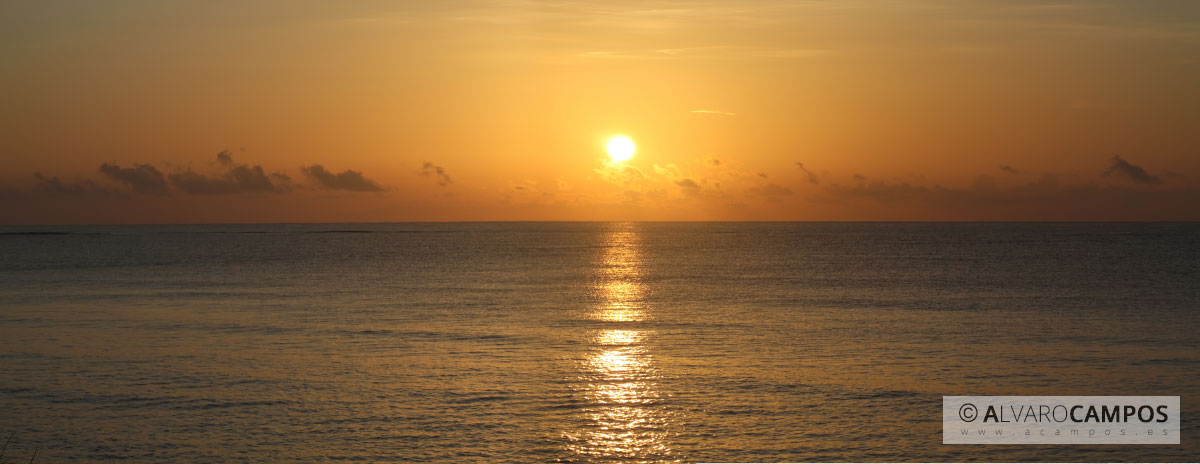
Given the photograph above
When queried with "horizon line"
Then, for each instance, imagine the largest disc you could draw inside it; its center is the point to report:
(1064, 221)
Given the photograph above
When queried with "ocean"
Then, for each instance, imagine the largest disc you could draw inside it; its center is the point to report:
(580, 342)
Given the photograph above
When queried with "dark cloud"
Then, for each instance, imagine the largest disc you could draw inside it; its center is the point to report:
(762, 175)
(238, 178)
(11, 194)
(1051, 197)
(145, 192)
(775, 190)
(1009, 169)
(812, 178)
(345, 180)
(690, 187)
(52, 186)
(142, 178)
(435, 171)
(1133, 172)
(859, 178)
(772, 192)
(877, 190)
(241, 179)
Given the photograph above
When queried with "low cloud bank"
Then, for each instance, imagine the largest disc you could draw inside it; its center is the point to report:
(229, 178)
(346, 180)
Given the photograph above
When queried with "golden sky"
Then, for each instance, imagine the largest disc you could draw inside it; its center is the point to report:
(303, 111)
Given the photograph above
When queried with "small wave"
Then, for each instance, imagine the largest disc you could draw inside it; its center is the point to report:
(480, 399)
(342, 232)
(884, 394)
(208, 404)
(35, 233)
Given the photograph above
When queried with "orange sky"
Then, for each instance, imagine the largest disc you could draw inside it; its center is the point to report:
(749, 110)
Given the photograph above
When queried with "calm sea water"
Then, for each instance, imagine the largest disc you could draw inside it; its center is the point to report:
(580, 342)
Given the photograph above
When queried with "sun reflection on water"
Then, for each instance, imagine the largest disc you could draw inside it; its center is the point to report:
(619, 382)
(622, 302)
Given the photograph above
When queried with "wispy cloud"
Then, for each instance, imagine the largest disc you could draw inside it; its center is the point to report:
(437, 172)
(1130, 171)
(812, 178)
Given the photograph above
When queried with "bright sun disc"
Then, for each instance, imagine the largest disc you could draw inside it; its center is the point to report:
(620, 148)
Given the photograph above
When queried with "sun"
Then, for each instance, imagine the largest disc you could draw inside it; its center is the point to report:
(620, 148)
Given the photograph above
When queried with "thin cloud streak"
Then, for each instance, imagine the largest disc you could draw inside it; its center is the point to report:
(714, 112)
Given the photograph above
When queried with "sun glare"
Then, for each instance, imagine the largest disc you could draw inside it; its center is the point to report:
(620, 148)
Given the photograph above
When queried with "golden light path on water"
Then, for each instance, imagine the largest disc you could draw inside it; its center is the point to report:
(621, 390)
